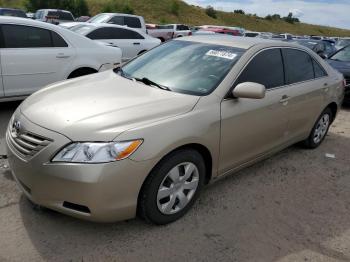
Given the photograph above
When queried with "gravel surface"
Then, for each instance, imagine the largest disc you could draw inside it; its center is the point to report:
(294, 206)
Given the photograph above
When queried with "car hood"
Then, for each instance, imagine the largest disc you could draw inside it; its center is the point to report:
(99, 107)
(342, 67)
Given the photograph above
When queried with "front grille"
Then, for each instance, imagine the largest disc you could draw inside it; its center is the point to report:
(26, 143)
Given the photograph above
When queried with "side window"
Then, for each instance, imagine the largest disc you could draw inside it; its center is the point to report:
(101, 33)
(298, 65)
(133, 22)
(116, 20)
(266, 68)
(57, 40)
(319, 71)
(119, 33)
(18, 36)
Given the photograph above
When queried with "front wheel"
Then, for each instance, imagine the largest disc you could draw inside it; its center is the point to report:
(172, 187)
(320, 129)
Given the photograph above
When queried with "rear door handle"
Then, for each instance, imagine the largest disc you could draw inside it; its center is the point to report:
(61, 55)
(136, 43)
(284, 99)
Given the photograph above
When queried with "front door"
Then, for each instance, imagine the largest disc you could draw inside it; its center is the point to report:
(253, 127)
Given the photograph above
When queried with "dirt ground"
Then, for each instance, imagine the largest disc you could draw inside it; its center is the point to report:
(294, 206)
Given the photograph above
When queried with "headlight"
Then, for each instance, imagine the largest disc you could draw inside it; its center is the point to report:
(97, 152)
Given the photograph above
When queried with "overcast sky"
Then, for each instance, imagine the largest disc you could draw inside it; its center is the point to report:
(324, 12)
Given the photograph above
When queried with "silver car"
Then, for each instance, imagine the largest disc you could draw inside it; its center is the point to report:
(147, 137)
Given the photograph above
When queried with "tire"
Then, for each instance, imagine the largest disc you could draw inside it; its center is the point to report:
(319, 132)
(159, 200)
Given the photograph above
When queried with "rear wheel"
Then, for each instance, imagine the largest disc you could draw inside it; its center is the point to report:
(172, 187)
(320, 129)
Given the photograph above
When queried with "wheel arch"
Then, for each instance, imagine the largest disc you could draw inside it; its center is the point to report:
(334, 108)
(81, 70)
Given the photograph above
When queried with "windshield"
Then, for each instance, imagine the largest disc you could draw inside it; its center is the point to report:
(343, 55)
(184, 66)
(101, 18)
(82, 29)
(60, 15)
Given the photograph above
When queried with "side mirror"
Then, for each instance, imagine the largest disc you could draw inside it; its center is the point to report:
(249, 90)
(322, 55)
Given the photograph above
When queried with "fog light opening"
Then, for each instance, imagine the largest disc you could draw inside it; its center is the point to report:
(76, 207)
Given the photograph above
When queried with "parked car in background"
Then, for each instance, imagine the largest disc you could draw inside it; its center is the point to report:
(341, 61)
(162, 32)
(252, 34)
(180, 30)
(342, 42)
(30, 15)
(323, 48)
(202, 32)
(53, 16)
(132, 21)
(223, 30)
(12, 12)
(36, 54)
(82, 18)
(147, 137)
(131, 41)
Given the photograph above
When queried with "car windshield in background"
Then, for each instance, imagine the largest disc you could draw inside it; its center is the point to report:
(184, 66)
(343, 55)
(82, 29)
(61, 15)
(16, 13)
(309, 44)
(343, 42)
(101, 18)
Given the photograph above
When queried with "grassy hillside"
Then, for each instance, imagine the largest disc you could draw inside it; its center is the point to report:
(176, 11)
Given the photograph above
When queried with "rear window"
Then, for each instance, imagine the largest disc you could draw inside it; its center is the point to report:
(61, 15)
(132, 22)
(298, 65)
(18, 36)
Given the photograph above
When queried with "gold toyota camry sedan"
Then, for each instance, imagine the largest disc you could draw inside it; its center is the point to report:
(146, 138)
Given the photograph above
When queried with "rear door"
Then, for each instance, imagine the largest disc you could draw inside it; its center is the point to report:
(305, 91)
(32, 58)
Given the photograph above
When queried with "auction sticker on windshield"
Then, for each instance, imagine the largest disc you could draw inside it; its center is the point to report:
(222, 54)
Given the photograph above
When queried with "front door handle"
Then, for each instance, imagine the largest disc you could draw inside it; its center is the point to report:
(61, 55)
(136, 43)
(284, 99)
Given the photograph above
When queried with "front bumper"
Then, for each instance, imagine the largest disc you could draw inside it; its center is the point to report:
(97, 192)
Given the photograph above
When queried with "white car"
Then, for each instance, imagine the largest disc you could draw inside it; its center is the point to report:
(133, 21)
(35, 54)
(132, 42)
(54, 16)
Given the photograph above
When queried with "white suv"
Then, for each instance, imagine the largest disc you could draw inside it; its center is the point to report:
(35, 54)
(133, 21)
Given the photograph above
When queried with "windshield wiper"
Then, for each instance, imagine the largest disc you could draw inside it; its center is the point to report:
(149, 82)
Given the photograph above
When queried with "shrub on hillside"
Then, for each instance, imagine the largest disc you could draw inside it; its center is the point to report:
(210, 11)
(175, 7)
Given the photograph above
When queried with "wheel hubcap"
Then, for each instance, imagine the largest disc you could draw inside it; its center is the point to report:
(177, 188)
(321, 128)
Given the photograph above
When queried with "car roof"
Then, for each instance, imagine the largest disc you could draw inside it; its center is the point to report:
(120, 14)
(235, 41)
(55, 10)
(98, 25)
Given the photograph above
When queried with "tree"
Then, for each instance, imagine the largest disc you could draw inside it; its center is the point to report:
(210, 11)
(290, 19)
(77, 7)
(240, 11)
(114, 7)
